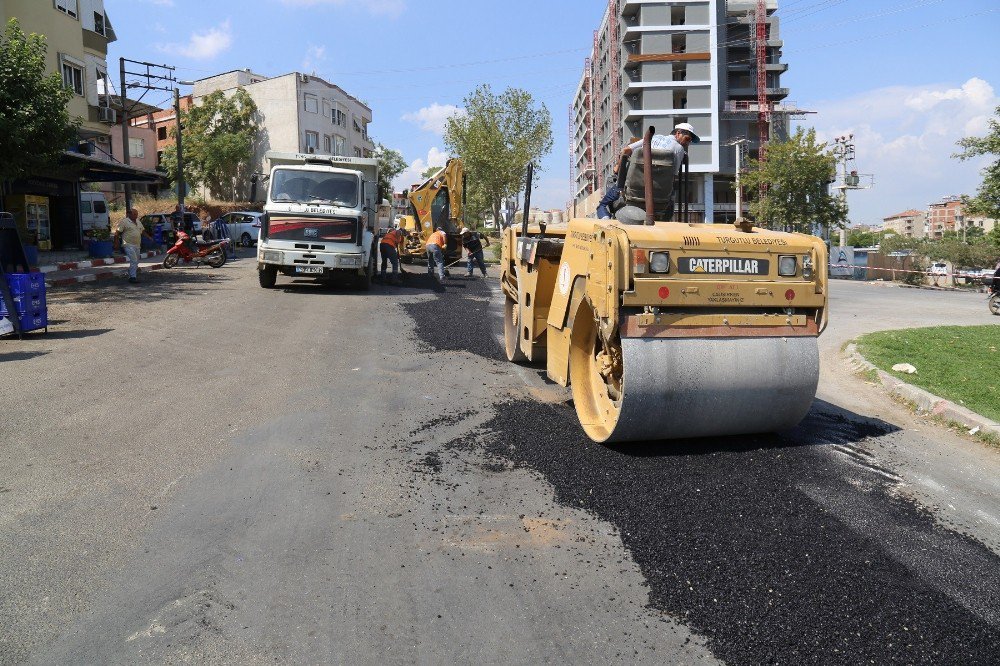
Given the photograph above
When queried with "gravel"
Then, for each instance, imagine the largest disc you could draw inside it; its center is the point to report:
(771, 546)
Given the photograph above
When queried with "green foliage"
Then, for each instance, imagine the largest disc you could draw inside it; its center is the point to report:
(219, 139)
(956, 362)
(390, 165)
(987, 199)
(796, 174)
(429, 171)
(496, 138)
(863, 238)
(35, 126)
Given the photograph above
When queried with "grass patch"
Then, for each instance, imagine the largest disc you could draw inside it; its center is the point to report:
(960, 363)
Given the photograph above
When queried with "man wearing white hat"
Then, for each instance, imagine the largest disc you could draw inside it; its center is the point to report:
(682, 137)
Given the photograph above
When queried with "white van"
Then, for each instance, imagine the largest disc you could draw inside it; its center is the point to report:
(93, 212)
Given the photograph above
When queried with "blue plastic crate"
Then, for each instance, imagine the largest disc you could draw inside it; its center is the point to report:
(23, 304)
(32, 321)
(26, 283)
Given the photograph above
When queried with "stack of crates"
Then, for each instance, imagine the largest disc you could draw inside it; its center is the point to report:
(28, 290)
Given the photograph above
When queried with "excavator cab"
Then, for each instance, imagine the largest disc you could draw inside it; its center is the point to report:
(631, 205)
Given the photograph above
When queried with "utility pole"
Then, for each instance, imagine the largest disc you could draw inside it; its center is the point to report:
(155, 77)
(180, 155)
(739, 142)
(844, 151)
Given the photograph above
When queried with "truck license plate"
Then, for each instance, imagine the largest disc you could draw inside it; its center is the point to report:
(309, 270)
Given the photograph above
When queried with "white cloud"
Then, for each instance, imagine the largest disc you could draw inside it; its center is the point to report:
(435, 158)
(905, 136)
(315, 56)
(433, 118)
(203, 45)
(389, 8)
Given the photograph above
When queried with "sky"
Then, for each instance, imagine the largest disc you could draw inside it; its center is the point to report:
(907, 77)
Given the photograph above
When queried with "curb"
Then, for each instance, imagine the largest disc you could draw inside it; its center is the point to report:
(94, 277)
(93, 263)
(924, 400)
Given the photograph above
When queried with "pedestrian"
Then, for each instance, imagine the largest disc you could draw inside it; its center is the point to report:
(473, 243)
(436, 244)
(389, 247)
(128, 235)
(683, 135)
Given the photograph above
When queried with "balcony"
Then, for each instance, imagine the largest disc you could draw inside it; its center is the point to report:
(751, 91)
(639, 86)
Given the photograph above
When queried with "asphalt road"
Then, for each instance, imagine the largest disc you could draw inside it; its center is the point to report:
(196, 469)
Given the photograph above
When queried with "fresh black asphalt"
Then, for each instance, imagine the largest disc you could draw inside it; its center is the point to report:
(776, 548)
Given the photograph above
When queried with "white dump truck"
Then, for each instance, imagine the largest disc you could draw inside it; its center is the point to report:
(319, 218)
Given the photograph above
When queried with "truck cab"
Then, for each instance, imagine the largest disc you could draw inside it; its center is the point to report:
(319, 219)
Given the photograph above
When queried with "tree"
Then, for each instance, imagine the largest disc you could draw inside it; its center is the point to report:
(35, 127)
(862, 238)
(429, 171)
(390, 165)
(796, 174)
(987, 199)
(496, 138)
(220, 137)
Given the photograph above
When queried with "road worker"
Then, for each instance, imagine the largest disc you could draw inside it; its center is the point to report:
(436, 245)
(389, 249)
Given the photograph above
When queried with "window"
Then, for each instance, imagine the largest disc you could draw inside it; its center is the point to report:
(339, 118)
(136, 147)
(99, 24)
(327, 144)
(357, 127)
(339, 145)
(72, 74)
(67, 7)
(326, 109)
(161, 133)
(357, 152)
(312, 104)
(99, 207)
(312, 142)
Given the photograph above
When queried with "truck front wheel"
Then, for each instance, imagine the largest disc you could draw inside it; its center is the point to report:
(364, 282)
(268, 276)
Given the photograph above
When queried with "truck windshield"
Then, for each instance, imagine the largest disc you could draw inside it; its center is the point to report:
(294, 186)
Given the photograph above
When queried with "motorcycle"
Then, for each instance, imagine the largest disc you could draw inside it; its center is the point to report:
(212, 253)
(994, 301)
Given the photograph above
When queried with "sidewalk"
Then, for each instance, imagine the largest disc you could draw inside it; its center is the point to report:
(924, 400)
(62, 275)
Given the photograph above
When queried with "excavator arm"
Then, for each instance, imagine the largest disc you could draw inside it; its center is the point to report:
(437, 202)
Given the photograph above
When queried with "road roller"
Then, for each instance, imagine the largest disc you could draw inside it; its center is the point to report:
(667, 329)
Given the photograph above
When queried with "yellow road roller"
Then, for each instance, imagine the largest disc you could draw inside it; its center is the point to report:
(667, 330)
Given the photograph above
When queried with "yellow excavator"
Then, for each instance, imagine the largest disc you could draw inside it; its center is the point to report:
(438, 202)
(667, 330)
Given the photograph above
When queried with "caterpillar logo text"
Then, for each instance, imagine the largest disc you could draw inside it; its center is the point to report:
(720, 266)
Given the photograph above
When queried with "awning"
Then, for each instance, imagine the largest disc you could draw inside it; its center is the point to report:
(89, 169)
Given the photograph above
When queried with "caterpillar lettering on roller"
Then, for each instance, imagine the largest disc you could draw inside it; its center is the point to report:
(667, 330)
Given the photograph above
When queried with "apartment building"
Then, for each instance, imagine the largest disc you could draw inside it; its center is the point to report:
(77, 33)
(659, 63)
(299, 113)
(910, 223)
(943, 216)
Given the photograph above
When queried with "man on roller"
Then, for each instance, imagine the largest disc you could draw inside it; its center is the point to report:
(682, 137)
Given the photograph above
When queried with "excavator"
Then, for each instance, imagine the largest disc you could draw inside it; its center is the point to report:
(438, 202)
(667, 329)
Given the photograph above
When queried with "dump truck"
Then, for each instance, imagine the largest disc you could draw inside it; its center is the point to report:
(438, 202)
(668, 330)
(319, 218)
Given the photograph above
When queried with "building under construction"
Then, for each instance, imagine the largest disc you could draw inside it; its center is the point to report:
(712, 63)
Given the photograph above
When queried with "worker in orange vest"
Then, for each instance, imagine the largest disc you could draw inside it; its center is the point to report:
(436, 244)
(389, 249)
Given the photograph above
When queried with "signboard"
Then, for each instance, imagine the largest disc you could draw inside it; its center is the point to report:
(842, 261)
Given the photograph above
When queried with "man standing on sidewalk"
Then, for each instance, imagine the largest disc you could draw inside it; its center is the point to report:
(128, 235)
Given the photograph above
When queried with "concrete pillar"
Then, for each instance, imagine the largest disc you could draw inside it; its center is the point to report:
(709, 199)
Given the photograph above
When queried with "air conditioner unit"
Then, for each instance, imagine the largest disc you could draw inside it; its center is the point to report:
(310, 149)
(102, 138)
(107, 115)
(304, 78)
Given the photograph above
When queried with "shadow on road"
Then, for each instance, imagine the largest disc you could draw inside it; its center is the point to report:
(21, 356)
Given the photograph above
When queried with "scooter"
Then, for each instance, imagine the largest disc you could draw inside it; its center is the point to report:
(212, 253)
(994, 301)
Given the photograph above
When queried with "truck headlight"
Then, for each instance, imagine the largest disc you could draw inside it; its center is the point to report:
(659, 262)
(272, 256)
(807, 266)
(787, 266)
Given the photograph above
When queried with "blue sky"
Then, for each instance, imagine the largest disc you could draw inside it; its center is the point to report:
(907, 77)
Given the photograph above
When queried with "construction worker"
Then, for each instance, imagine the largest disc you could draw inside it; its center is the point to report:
(389, 249)
(473, 243)
(436, 245)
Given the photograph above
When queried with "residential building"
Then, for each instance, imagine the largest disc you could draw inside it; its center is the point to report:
(162, 122)
(985, 223)
(77, 34)
(909, 223)
(660, 63)
(299, 113)
(943, 216)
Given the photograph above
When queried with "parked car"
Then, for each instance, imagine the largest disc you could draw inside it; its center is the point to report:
(167, 220)
(244, 226)
(938, 268)
(93, 212)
